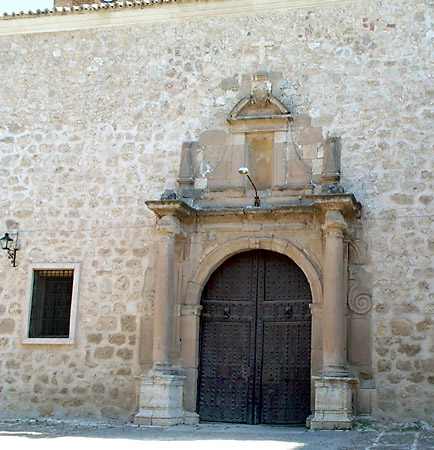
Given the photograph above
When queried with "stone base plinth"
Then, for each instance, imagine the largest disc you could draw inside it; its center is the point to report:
(191, 418)
(160, 402)
(333, 403)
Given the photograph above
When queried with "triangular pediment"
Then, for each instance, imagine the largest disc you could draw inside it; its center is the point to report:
(247, 109)
(261, 104)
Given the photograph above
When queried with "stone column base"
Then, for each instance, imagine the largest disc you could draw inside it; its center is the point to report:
(160, 402)
(333, 403)
(191, 418)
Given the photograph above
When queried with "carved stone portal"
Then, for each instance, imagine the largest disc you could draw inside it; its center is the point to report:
(304, 214)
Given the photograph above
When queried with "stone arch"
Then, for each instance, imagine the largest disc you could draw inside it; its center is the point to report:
(201, 274)
(216, 257)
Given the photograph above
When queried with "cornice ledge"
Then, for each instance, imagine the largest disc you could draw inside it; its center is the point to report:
(263, 210)
(347, 203)
(128, 14)
(310, 204)
(177, 208)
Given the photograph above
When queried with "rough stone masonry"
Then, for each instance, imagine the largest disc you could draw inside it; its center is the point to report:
(92, 123)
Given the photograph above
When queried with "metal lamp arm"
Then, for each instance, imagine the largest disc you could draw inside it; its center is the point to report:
(257, 201)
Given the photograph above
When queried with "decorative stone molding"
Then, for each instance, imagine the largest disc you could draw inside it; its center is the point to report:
(359, 300)
(262, 105)
(334, 223)
(260, 92)
(169, 226)
(359, 296)
(217, 256)
(142, 12)
(358, 252)
(187, 310)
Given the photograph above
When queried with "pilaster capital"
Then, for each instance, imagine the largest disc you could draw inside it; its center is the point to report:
(189, 310)
(169, 226)
(334, 223)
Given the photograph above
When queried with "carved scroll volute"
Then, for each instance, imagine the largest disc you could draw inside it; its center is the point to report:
(359, 295)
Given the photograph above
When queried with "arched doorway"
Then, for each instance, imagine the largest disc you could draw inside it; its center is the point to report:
(255, 339)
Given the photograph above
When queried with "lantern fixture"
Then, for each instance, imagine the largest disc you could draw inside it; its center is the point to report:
(245, 171)
(6, 244)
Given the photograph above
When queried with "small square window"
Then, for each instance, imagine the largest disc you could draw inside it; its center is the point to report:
(52, 310)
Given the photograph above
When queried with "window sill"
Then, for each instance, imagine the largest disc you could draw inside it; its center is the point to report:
(48, 341)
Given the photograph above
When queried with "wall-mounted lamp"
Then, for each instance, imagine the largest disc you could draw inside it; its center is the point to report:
(6, 244)
(245, 171)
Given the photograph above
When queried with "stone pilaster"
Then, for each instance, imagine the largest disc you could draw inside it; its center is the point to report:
(334, 358)
(161, 390)
(334, 388)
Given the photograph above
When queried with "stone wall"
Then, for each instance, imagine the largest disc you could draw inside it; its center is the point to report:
(92, 124)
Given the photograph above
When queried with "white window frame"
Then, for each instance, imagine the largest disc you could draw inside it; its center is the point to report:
(74, 303)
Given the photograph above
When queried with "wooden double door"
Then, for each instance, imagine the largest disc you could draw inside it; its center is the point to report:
(255, 342)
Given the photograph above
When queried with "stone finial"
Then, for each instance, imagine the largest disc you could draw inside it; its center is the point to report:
(169, 225)
(186, 167)
(332, 160)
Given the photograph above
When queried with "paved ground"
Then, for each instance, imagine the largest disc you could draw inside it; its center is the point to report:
(81, 435)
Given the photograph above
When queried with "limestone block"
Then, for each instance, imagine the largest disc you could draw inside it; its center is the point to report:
(364, 401)
(359, 348)
(401, 327)
(128, 323)
(280, 164)
(160, 401)
(125, 353)
(190, 389)
(333, 402)
(190, 344)
(94, 338)
(310, 135)
(105, 352)
(7, 326)
(117, 339)
(299, 171)
(146, 342)
(107, 324)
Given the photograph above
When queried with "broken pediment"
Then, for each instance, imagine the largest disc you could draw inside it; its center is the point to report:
(261, 105)
(286, 157)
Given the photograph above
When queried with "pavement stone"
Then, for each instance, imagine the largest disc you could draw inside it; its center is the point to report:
(81, 435)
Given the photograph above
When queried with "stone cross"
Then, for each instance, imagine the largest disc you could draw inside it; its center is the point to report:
(262, 44)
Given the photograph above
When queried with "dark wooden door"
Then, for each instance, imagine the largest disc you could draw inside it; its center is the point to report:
(255, 342)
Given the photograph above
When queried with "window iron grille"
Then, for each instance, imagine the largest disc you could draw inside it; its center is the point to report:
(51, 303)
